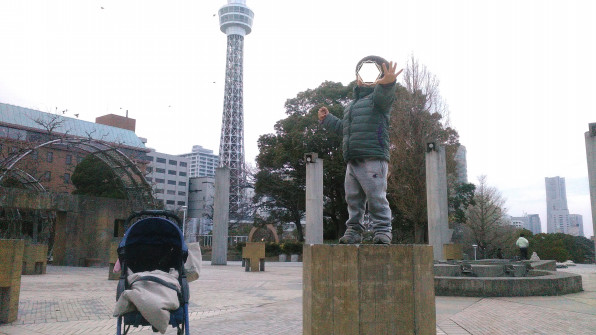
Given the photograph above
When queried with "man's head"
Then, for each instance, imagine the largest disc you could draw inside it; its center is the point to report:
(369, 67)
(521, 235)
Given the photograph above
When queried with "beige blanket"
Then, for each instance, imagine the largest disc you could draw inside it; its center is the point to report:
(152, 300)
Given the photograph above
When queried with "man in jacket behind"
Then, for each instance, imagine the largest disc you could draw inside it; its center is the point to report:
(364, 128)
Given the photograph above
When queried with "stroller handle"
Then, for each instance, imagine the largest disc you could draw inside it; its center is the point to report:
(153, 212)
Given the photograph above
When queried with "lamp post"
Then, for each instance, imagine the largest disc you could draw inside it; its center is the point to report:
(474, 246)
(184, 208)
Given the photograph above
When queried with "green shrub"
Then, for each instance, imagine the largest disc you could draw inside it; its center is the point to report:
(292, 247)
(272, 249)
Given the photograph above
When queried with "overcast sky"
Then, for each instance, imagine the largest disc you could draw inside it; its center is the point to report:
(518, 76)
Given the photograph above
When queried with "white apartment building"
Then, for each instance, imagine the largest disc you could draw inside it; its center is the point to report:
(168, 175)
(203, 162)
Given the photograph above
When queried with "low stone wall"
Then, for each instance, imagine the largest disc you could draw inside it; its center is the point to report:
(35, 257)
(537, 283)
(84, 225)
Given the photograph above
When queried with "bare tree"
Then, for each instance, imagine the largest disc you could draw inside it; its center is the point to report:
(486, 219)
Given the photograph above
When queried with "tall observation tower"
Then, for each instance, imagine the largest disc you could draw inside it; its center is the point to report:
(235, 20)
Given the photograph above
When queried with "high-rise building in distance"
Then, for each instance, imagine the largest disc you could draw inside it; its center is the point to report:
(558, 219)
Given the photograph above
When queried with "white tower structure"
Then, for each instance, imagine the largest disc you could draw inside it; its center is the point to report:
(235, 20)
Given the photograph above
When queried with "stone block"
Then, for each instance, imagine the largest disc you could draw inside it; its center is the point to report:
(254, 254)
(453, 251)
(11, 263)
(35, 257)
(368, 289)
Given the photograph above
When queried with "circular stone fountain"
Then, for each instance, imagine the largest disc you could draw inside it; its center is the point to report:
(503, 278)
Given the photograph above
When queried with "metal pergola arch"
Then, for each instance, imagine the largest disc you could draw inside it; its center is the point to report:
(136, 186)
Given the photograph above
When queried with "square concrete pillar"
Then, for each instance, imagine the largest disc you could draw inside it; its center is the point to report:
(11, 263)
(368, 289)
(35, 257)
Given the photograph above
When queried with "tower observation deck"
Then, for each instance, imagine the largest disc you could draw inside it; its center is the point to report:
(235, 20)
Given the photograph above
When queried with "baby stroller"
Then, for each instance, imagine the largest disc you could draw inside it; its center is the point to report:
(153, 242)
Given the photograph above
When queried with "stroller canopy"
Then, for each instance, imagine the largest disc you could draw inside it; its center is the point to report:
(154, 230)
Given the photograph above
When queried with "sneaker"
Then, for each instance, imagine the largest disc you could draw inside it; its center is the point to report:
(351, 237)
(382, 238)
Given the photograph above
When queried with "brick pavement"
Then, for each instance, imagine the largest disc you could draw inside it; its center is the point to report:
(227, 300)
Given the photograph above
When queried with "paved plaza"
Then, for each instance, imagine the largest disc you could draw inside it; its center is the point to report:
(227, 300)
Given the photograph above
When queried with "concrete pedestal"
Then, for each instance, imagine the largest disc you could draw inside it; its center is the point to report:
(368, 289)
(11, 263)
(35, 257)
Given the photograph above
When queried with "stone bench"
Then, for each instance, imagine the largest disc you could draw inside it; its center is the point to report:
(253, 256)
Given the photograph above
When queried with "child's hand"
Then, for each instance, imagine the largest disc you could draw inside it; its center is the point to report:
(390, 74)
(323, 111)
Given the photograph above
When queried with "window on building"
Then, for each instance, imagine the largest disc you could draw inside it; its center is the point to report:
(79, 159)
(160, 181)
(171, 182)
(170, 202)
(170, 192)
(181, 193)
(47, 176)
(149, 179)
(172, 172)
(68, 159)
(34, 153)
(181, 203)
(67, 178)
(50, 156)
(182, 174)
(181, 183)
(183, 164)
(149, 169)
(172, 162)
(161, 160)
(158, 170)
(159, 190)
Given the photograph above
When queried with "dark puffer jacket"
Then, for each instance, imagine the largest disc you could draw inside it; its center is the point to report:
(365, 123)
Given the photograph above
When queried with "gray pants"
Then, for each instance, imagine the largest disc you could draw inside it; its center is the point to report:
(366, 181)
